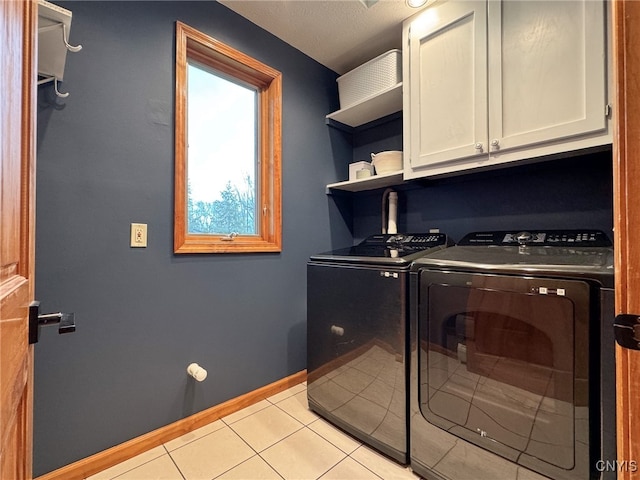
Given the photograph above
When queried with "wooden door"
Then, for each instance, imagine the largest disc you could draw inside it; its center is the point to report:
(626, 40)
(17, 215)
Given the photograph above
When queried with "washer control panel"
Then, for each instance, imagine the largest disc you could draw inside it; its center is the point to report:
(543, 238)
(407, 239)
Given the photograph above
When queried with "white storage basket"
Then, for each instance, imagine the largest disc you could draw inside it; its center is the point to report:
(355, 167)
(376, 75)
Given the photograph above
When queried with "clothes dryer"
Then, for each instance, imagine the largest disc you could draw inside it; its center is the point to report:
(512, 358)
(357, 328)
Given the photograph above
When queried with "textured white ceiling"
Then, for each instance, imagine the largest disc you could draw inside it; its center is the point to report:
(340, 34)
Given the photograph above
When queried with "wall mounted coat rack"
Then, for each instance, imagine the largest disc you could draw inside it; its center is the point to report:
(54, 25)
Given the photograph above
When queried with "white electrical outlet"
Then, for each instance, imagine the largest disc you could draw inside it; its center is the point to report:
(138, 234)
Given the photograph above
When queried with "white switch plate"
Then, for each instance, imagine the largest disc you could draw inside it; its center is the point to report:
(138, 234)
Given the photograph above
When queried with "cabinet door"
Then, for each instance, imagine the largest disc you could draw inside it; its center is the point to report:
(547, 77)
(447, 100)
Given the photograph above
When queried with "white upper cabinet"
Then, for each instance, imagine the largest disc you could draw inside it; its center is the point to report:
(447, 84)
(498, 81)
(546, 71)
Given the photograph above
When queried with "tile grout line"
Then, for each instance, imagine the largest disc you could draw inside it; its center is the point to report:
(300, 429)
(368, 468)
(246, 443)
(132, 468)
(283, 438)
(272, 467)
(174, 462)
(257, 453)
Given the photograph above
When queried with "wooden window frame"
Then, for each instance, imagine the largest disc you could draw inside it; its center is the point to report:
(194, 45)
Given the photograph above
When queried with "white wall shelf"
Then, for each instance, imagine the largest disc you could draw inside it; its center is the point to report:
(371, 108)
(369, 183)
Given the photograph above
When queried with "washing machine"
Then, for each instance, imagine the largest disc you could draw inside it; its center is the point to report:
(512, 358)
(357, 329)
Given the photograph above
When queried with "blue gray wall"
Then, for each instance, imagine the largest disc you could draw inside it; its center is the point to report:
(105, 160)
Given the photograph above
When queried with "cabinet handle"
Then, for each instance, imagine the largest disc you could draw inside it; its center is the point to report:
(479, 147)
(495, 143)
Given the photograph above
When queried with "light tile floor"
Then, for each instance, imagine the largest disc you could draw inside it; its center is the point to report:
(277, 438)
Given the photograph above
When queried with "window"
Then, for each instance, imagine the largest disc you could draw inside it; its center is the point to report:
(228, 149)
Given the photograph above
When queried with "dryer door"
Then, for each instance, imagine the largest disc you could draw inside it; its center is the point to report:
(504, 364)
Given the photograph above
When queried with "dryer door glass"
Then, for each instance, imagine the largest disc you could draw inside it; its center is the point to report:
(504, 364)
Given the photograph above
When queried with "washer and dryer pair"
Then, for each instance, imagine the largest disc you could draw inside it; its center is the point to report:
(490, 359)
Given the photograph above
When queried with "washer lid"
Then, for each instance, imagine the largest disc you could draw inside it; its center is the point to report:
(524, 257)
(387, 249)
(590, 262)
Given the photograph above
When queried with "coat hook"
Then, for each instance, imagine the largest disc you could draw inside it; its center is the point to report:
(71, 48)
(55, 88)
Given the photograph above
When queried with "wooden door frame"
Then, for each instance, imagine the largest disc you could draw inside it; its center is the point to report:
(626, 206)
(17, 266)
(28, 129)
(28, 189)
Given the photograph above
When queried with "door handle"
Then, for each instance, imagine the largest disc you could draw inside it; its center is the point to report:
(65, 321)
(627, 331)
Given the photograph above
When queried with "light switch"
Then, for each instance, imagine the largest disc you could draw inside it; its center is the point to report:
(138, 234)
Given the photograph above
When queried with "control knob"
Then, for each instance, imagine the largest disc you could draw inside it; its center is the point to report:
(524, 237)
